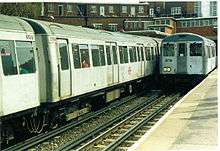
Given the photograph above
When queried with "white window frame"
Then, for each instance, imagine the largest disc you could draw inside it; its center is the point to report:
(93, 9)
(124, 9)
(62, 10)
(98, 26)
(151, 12)
(111, 9)
(141, 9)
(176, 10)
(67, 7)
(50, 7)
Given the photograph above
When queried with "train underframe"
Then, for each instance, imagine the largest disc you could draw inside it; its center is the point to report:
(51, 115)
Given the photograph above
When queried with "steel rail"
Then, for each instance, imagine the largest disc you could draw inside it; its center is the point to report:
(45, 136)
(73, 144)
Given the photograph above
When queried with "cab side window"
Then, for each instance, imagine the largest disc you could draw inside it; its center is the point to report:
(9, 63)
(147, 53)
(196, 49)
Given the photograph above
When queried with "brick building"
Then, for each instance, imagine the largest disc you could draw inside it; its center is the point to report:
(97, 15)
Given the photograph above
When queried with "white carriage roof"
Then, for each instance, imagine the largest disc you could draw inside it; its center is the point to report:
(14, 23)
(51, 28)
(186, 37)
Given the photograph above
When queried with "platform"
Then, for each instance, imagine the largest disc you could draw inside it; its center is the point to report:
(192, 124)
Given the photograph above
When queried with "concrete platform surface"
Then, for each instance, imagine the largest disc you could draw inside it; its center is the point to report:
(192, 124)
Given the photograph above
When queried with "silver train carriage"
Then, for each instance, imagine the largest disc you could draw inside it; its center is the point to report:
(187, 55)
(48, 70)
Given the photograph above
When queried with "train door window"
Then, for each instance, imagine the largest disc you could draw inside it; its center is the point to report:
(152, 53)
(121, 54)
(63, 56)
(131, 54)
(138, 53)
(25, 54)
(182, 49)
(168, 50)
(125, 51)
(108, 53)
(195, 49)
(9, 63)
(147, 53)
(95, 55)
(208, 52)
(142, 54)
(76, 56)
(114, 51)
(135, 54)
(84, 55)
(102, 55)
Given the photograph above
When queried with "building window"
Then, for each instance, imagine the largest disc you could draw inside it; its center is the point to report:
(162, 29)
(111, 9)
(151, 12)
(50, 8)
(183, 23)
(93, 9)
(98, 26)
(157, 22)
(140, 9)
(213, 8)
(60, 10)
(167, 22)
(69, 8)
(113, 27)
(175, 10)
(124, 9)
(197, 8)
(206, 22)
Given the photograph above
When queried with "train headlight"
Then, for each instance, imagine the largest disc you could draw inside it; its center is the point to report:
(165, 69)
(168, 69)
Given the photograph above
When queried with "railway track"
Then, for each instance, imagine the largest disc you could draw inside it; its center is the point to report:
(90, 124)
(120, 136)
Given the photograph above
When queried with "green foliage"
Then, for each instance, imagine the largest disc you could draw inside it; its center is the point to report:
(30, 10)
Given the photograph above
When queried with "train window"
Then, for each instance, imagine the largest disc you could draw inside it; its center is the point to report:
(131, 54)
(208, 51)
(25, 54)
(114, 54)
(121, 54)
(135, 54)
(147, 53)
(182, 49)
(142, 53)
(138, 53)
(95, 55)
(102, 55)
(98, 55)
(8, 57)
(152, 53)
(108, 53)
(76, 56)
(63, 56)
(168, 50)
(84, 55)
(196, 49)
(123, 51)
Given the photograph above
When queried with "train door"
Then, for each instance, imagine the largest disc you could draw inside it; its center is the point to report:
(112, 61)
(64, 69)
(195, 58)
(182, 57)
(142, 60)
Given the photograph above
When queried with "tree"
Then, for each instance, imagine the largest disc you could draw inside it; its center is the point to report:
(29, 10)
